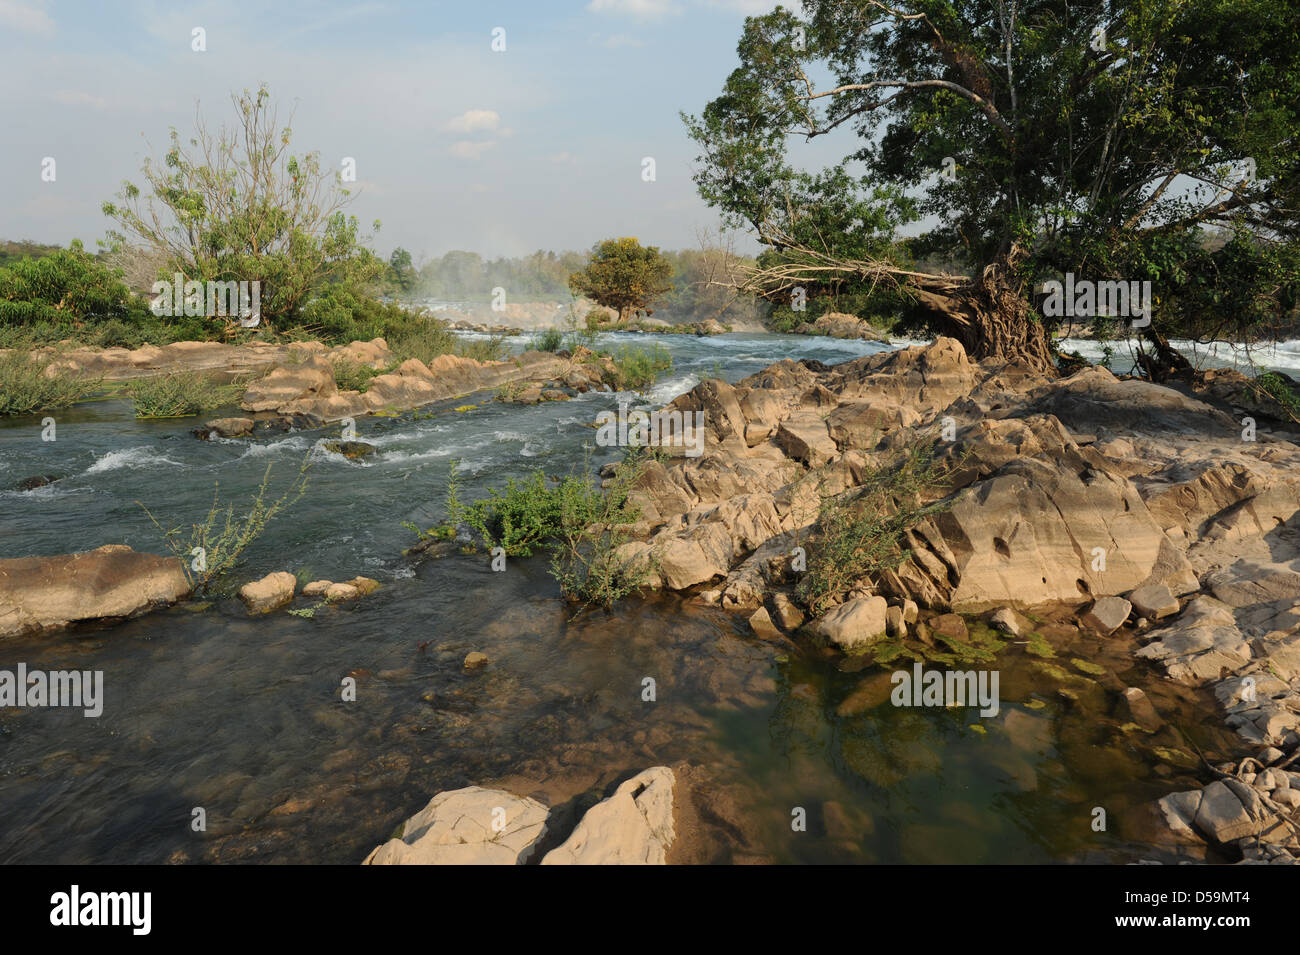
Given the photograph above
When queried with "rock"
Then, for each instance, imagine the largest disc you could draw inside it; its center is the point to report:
(761, 623)
(352, 450)
(317, 587)
(1107, 615)
(951, 625)
(314, 378)
(230, 427)
(841, 325)
(1135, 707)
(632, 827)
(39, 594)
(854, 623)
(271, 592)
(894, 625)
(32, 483)
(338, 592)
(1008, 621)
(803, 437)
(1154, 602)
(460, 827)
(364, 585)
(1222, 814)
(911, 612)
(474, 659)
(788, 615)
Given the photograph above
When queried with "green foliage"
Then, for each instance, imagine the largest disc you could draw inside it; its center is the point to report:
(26, 387)
(624, 275)
(1109, 163)
(352, 376)
(344, 313)
(238, 206)
(68, 291)
(640, 367)
(482, 349)
(550, 339)
(209, 550)
(859, 532)
(1285, 395)
(180, 395)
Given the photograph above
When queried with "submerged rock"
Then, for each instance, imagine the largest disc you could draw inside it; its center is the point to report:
(352, 450)
(32, 483)
(112, 582)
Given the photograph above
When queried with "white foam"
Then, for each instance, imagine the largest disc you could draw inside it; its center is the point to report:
(139, 457)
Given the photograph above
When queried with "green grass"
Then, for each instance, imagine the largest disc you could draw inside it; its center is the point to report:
(25, 387)
(180, 395)
(352, 376)
(550, 339)
(638, 368)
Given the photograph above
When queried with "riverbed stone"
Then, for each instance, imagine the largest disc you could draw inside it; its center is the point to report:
(339, 592)
(760, 621)
(471, 826)
(39, 594)
(634, 826)
(1155, 602)
(855, 623)
(475, 659)
(1107, 615)
(270, 593)
(786, 613)
(1136, 707)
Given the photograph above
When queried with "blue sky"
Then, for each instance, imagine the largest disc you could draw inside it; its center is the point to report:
(457, 146)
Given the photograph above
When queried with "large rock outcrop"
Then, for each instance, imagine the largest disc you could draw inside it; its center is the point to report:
(472, 826)
(113, 582)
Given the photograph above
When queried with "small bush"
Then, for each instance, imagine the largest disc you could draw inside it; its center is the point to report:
(641, 367)
(491, 349)
(26, 387)
(180, 395)
(860, 532)
(212, 549)
(1275, 386)
(549, 339)
(352, 376)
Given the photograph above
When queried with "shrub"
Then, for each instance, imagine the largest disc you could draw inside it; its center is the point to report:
(640, 367)
(352, 376)
(180, 395)
(549, 339)
(25, 386)
(210, 550)
(70, 291)
(491, 349)
(860, 531)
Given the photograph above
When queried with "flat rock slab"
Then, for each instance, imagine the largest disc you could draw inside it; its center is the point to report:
(114, 581)
(472, 826)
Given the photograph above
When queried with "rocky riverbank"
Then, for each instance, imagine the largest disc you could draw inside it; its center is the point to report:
(1135, 510)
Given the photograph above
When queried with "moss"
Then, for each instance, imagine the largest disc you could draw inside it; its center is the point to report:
(1085, 667)
(1036, 645)
(975, 727)
(466, 408)
(1176, 756)
(1034, 704)
(1052, 671)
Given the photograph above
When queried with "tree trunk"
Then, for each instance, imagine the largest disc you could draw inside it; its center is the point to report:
(1164, 364)
(991, 318)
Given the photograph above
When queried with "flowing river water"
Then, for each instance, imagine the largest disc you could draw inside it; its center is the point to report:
(207, 707)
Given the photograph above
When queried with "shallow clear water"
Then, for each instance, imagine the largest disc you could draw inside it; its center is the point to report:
(242, 717)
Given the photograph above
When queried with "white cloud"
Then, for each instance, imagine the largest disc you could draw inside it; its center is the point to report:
(24, 18)
(475, 120)
(467, 150)
(640, 9)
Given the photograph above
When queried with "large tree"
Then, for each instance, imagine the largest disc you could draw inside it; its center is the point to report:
(237, 205)
(1029, 138)
(624, 275)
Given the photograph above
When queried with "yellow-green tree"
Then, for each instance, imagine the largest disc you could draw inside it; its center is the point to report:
(624, 275)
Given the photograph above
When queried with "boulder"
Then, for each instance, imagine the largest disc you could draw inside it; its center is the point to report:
(39, 594)
(271, 592)
(1107, 615)
(474, 660)
(470, 826)
(632, 827)
(314, 378)
(787, 614)
(760, 621)
(803, 437)
(855, 623)
(230, 427)
(1136, 707)
(1154, 602)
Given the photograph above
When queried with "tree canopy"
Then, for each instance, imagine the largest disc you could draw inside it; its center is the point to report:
(1130, 140)
(624, 275)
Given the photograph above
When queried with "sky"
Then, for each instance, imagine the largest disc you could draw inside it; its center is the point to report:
(457, 146)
